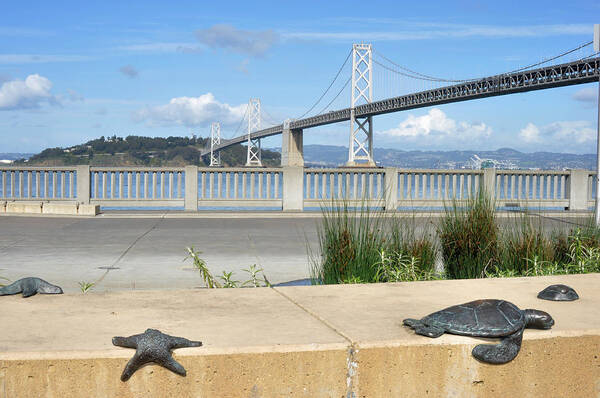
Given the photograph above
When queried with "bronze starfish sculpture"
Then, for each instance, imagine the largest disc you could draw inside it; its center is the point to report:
(153, 346)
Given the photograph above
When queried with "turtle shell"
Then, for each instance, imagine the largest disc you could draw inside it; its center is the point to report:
(558, 293)
(483, 318)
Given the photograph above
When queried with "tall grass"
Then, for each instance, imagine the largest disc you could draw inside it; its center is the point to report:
(469, 236)
(355, 243)
(360, 245)
(524, 244)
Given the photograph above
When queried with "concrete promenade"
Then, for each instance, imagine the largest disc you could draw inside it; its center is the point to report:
(145, 250)
(137, 251)
(304, 341)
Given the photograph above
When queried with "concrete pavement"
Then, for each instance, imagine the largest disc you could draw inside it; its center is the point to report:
(145, 250)
(148, 253)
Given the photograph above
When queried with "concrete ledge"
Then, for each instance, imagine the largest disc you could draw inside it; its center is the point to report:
(326, 341)
(49, 208)
(59, 208)
(24, 207)
(88, 210)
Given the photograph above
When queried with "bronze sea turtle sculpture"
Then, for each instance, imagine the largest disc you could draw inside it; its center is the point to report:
(29, 287)
(484, 318)
(558, 293)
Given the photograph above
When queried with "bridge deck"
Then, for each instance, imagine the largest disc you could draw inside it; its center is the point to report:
(571, 73)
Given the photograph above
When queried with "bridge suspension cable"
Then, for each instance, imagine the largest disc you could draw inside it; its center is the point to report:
(329, 87)
(336, 97)
(269, 119)
(421, 76)
(551, 59)
(239, 125)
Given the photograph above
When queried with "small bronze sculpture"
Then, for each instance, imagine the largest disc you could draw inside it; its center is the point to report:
(558, 293)
(484, 318)
(153, 346)
(29, 287)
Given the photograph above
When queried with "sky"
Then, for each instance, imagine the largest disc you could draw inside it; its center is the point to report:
(74, 71)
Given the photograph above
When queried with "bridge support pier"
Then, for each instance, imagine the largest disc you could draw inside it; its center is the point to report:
(292, 150)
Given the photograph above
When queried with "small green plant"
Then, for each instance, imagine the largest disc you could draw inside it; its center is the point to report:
(86, 286)
(226, 278)
(400, 267)
(202, 268)
(228, 282)
(253, 271)
(353, 280)
(584, 258)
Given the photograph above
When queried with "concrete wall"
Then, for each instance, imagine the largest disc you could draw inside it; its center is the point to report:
(536, 189)
(325, 341)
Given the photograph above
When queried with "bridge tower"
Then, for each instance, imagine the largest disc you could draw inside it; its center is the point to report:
(215, 139)
(254, 155)
(360, 151)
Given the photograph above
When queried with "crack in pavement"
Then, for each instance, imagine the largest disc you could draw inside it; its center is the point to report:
(112, 266)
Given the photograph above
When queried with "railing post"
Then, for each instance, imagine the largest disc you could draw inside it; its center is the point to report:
(577, 184)
(293, 187)
(489, 182)
(390, 184)
(83, 184)
(191, 188)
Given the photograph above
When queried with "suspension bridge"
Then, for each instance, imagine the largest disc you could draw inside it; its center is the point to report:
(584, 68)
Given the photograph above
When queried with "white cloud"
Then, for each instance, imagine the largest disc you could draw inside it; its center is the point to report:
(254, 43)
(425, 31)
(162, 47)
(191, 112)
(531, 133)
(587, 94)
(40, 58)
(564, 134)
(435, 125)
(27, 94)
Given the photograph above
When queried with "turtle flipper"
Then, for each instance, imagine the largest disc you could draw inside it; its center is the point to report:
(29, 291)
(501, 353)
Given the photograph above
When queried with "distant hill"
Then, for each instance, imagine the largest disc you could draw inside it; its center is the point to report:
(180, 151)
(143, 151)
(333, 156)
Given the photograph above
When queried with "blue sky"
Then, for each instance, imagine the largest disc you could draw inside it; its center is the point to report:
(73, 71)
